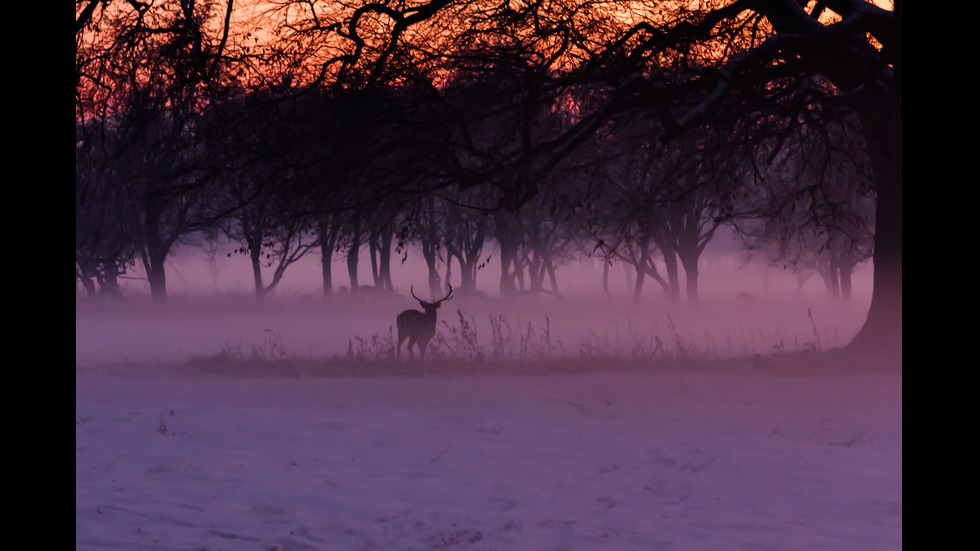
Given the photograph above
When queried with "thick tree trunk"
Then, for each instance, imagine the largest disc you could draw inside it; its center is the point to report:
(673, 276)
(386, 261)
(430, 253)
(691, 274)
(882, 120)
(379, 246)
(449, 273)
(352, 267)
(89, 286)
(153, 251)
(509, 241)
(329, 229)
(326, 272)
(154, 254)
(552, 278)
(255, 256)
(374, 255)
(467, 275)
(156, 277)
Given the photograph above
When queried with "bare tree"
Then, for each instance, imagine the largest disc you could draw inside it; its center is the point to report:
(144, 72)
(104, 249)
(815, 210)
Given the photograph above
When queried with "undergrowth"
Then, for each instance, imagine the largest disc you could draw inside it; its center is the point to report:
(460, 338)
(271, 350)
(514, 340)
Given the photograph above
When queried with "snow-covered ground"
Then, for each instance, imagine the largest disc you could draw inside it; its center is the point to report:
(286, 427)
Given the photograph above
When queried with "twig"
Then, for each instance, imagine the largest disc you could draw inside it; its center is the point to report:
(569, 402)
(443, 452)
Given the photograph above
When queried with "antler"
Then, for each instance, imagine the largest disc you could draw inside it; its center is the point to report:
(448, 295)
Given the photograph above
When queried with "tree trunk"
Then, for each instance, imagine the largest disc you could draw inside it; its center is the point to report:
(255, 256)
(467, 274)
(154, 254)
(435, 282)
(673, 278)
(352, 267)
(690, 262)
(509, 243)
(109, 284)
(449, 273)
(552, 278)
(638, 285)
(374, 255)
(831, 279)
(89, 286)
(156, 276)
(430, 248)
(326, 272)
(882, 120)
(386, 260)
(535, 272)
(430, 243)
(845, 284)
(605, 278)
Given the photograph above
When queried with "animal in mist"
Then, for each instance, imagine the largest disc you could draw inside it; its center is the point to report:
(418, 327)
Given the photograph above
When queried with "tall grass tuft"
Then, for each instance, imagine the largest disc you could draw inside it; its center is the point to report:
(512, 340)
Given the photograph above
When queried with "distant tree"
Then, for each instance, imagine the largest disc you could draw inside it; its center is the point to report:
(270, 238)
(815, 210)
(697, 176)
(658, 204)
(549, 238)
(425, 213)
(104, 249)
(144, 73)
(466, 229)
(328, 229)
(381, 236)
(165, 193)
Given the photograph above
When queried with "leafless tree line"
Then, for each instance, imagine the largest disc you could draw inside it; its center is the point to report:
(464, 129)
(653, 206)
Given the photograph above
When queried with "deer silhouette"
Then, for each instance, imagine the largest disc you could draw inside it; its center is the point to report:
(418, 327)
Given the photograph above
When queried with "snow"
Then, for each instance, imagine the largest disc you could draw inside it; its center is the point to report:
(204, 427)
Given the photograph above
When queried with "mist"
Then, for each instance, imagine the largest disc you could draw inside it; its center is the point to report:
(216, 421)
(746, 308)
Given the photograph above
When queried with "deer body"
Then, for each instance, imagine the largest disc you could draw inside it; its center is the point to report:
(418, 327)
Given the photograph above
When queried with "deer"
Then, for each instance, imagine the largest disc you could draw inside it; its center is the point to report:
(418, 327)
